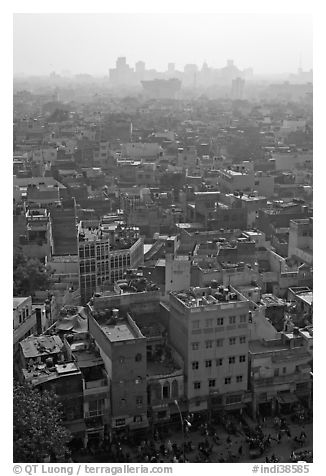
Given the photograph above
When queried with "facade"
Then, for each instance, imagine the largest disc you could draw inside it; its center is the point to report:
(301, 240)
(123, 350)
(105, 252)
(209, 328)
(279, 373)
(24, 319)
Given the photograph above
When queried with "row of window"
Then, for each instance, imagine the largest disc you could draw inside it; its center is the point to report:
(220, 321)
(212, 382)
(219, 342)
(219, 362)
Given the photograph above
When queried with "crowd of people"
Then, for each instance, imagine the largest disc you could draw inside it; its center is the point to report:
(207, 442)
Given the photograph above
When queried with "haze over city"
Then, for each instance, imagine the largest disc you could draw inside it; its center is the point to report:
(90, 43)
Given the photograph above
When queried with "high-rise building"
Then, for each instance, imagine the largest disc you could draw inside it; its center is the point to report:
(238, 85)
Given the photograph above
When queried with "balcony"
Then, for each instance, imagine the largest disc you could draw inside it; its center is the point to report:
(96, 384)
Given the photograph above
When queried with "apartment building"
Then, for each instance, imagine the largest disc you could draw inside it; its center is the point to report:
(209, 329)
(280, 372)
(105, 251)
(122, 347)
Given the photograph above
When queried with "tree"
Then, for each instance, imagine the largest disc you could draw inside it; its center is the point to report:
(37, 426)
(29, 275)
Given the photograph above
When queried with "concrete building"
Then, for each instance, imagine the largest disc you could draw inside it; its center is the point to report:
(279, 373)
(301, 240)
(105, 252)
(209, 329)
(44, 364)
(123, 349)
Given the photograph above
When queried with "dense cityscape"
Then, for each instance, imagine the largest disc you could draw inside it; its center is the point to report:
(163, 266)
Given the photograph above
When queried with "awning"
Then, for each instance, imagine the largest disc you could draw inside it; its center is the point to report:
(285, 398)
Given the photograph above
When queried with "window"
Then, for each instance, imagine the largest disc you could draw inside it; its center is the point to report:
(231, 360)
(219, 362)
(95, 407)
(209, 322)
(219, 343)
(195, 365)
(139, 401)
(122, 359)
(220, 321)
(196, 385)
(208, 363)
(242, 339)
(243, 318)
(211, 382)
(227, 380)
(123, 402)
(195, 345)
(138, 357)
(209, 344)
(161, 414)
(195, 324)
(232, 319)
(276, 372)
(239, 378)
(284, 370)
(242, 358)
(166, 390)
(232, 340)
(138, 379)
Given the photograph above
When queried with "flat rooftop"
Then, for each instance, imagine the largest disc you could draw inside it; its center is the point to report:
(211, 295)
(41, 345)
(120, 331)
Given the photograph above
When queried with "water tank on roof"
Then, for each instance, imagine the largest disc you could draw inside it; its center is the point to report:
(214, 284)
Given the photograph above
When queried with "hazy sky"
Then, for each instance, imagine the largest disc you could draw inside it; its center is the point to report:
(90, 43)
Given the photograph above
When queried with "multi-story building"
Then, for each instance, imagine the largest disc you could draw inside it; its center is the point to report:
(44, 364)
(280, 372)
(105, 252)
(122, 347)
(24, 319)
(301, 240)
(209, 329)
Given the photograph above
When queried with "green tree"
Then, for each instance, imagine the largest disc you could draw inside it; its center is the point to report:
(29, 275)
(37, 426)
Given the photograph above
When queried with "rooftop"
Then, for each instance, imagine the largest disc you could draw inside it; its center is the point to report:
(119, 331)
(271, 300)
(42, 345)
(211, 295)
(17, 301)
(120, 237)
(39, 373)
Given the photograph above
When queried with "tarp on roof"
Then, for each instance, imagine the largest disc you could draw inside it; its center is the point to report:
(76, 323)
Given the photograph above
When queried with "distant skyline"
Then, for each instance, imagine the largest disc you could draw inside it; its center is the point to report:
(90, 43)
